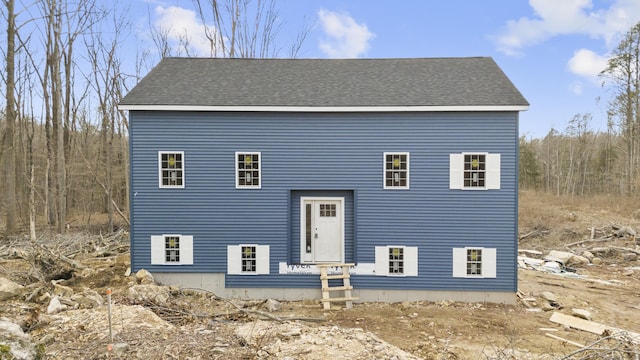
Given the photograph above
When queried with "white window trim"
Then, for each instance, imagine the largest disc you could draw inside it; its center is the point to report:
(382, 261)
(234, 260)
(235, 165)
(158, 250)
(184, 177)
(492, 171)
(489, 262)
(384, 170)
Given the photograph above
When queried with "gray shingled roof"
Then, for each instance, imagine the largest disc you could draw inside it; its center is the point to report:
(473, 81)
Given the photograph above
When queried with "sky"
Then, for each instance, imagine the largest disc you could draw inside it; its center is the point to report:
(552, 50)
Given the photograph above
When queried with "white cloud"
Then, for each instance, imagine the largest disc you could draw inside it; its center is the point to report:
(345, 38)
(587, 63)
(180, 25)
(564, 17)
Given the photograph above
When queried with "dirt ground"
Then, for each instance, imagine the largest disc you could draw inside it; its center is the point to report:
(189, 324)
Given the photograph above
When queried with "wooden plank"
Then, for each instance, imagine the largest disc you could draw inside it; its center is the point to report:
(565, 341)
(331, 277)
(593, 327)
(337, 288)
(577, 323)
(325, 284)
(340, 299)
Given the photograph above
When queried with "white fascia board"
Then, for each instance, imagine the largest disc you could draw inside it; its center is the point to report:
(320, 109)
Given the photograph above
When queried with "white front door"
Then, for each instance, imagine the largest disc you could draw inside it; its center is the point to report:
(322, 230)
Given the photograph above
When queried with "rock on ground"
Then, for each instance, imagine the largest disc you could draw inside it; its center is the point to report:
(18, 344)
(153, 293)
(272, 305)
(581, 313)
(144, 277)
(9, 289)
(578, 260)
(55, 306)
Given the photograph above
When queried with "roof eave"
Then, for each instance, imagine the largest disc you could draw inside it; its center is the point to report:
(320, 109)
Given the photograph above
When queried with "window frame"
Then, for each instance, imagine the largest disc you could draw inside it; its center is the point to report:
(385, 170)
(169, 249)
(249, 259)
(482, 173)
(400, 260)
(383, 262)
(478, 262)
(235, 259)
(236, 163)
(161, 185)
(488, 262)
(492, 171)
(159, 249)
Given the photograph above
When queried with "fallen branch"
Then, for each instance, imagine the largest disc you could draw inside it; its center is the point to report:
(75, 264)
(257, 312)
(622, 348)
(269, 316)
(533, 233)
(619, 248)
(600, 239)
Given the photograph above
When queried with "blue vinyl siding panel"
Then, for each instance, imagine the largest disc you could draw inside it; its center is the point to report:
(326, 154)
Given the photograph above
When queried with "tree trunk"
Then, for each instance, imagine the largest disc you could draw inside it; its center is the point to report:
(9, 152)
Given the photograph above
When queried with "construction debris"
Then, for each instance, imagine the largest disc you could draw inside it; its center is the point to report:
(593, 327)
(579, 254)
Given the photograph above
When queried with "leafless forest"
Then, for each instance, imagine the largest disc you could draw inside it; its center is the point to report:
(64, 142)
(66, 66)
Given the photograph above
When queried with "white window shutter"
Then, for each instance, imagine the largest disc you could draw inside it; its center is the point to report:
(489, 262)
(186, 250)
(262, 259)
(234, 261)
(493, 171)
(382, 261)
(411, 261)
(456, 171)
(459, 262)
(157, 249)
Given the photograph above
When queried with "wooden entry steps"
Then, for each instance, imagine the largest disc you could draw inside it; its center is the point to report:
(346, 285)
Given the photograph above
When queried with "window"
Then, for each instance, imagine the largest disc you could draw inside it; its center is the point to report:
(396, 260)
(247, 259)
(248, 170)
(171, 168)
(172, 249)
(396, 170)
(474, 262)
(474, 171)
(327, 210)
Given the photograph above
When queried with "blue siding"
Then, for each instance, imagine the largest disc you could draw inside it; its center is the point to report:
(338, 154)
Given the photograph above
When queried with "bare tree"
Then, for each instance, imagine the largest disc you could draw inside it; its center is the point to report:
(9, 152)
(623, 72)
(107, 84)
(244, 28)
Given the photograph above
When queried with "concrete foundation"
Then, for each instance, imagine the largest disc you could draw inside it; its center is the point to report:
(215, 284)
